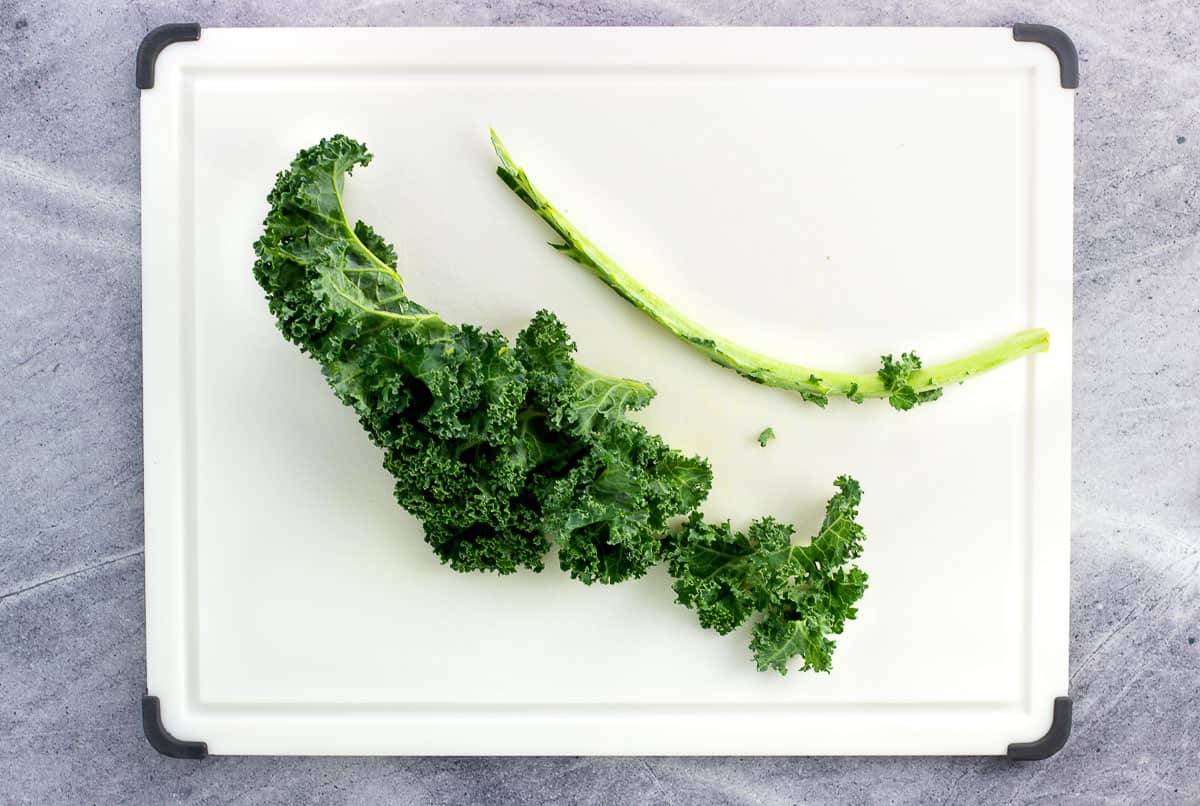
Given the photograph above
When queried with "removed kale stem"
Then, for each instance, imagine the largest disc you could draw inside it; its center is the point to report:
(905, 383)
(502, 450)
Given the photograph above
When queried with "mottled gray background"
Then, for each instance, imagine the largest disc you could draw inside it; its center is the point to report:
(71, 623)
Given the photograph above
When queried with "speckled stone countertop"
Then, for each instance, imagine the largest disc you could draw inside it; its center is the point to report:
(72, 665)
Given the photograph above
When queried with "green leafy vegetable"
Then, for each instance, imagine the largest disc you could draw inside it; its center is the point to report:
(500, 450)
(766, 435)
(497, 449)
(919, 385)
(800, 594)
(896, 377)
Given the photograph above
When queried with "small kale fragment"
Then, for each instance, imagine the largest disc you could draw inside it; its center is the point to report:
(766, 435)
(895, 376)
(798, 596)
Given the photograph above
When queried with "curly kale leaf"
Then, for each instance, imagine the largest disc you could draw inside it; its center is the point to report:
(502, 450)
(798, 595)
(498, 449)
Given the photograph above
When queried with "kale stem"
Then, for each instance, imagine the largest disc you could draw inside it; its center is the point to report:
(811, 382)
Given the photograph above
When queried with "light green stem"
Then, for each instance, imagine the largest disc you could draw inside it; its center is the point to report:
(751, 364)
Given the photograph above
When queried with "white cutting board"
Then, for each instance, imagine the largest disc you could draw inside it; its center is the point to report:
(826, 195)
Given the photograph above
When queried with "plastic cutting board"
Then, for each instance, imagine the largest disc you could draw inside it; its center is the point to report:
(827, 195)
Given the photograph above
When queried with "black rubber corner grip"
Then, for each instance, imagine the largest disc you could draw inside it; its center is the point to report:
(1054, 740)
(162, 741)
(155, 42)
(1058, 42)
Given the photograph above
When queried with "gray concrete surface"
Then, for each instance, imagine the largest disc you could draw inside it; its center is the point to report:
(71, 623)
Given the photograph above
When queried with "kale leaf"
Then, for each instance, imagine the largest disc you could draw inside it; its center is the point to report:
(800, 594)
(503, 450)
